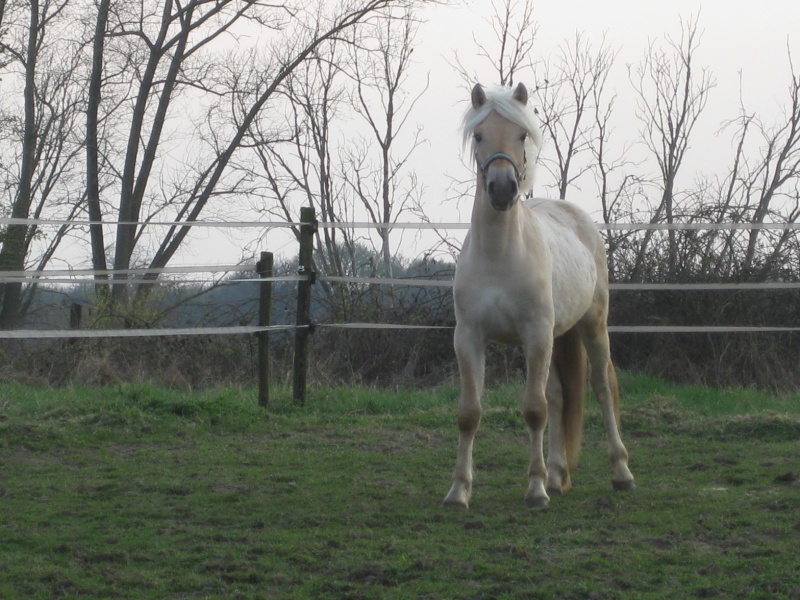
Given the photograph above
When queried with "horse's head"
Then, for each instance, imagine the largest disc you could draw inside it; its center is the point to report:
(506, 142)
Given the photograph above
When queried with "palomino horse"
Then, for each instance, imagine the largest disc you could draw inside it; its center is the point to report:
(531, 273)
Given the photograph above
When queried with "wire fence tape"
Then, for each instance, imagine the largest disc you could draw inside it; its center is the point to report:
(611, 328)
(138, 333)
(696, 226)
(139, 271)
(629, 226)
(698, 329)
(43, 279)
(21, 334)
(89, 277)
(640, 287)
(379, 326)
(389, 281)
(207, 224)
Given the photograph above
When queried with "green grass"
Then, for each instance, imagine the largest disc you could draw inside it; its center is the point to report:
(139, 492)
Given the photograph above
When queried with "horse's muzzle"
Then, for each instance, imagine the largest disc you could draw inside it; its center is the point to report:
(503, 193)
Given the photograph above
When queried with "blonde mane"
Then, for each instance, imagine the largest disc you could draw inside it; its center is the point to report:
(500, 100)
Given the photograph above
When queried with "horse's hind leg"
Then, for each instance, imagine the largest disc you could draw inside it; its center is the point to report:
(558, 480)
(565, 391)
(471, 365)
(604, 383)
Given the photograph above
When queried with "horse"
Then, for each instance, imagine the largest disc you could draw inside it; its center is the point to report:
(531, 273)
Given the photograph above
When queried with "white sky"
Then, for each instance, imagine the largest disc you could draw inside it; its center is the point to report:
(737, 36)
(746, 36)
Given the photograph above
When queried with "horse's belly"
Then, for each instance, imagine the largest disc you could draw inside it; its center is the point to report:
(574, 284)
(571, 304)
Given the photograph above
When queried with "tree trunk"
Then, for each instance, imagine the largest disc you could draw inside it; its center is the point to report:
(129, 201)
(92, 158)
(15, 241)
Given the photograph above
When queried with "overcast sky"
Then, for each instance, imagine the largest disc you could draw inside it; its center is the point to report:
(738, 36)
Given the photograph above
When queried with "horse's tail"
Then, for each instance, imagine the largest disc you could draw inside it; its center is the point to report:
(569, 358)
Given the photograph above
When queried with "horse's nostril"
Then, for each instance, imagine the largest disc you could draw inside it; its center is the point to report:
(491, 188)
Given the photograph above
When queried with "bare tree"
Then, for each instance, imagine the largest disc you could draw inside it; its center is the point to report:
(509, 48)
(41, 131)
(162, 66)
(2, 25)
(574, 110)
(299, 160)
(614, 180)
(776, 175)
(381, 60)
(93, 101)
(762, 185)
(672, 94)
(166, 120)
(346, 109)
(13, 253)
(166, 40)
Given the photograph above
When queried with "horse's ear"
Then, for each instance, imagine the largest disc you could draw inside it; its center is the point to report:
(478, 96)
(521, 93)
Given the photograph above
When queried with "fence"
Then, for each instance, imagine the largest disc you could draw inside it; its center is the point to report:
(306, 277)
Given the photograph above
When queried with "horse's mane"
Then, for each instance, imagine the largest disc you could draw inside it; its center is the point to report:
(500, 99)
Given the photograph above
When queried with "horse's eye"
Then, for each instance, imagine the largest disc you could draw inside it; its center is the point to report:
(478, 138)
(523, 137)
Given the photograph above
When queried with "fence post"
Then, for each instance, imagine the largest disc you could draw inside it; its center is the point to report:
(264, 268)
(75, 315)
(304, 327)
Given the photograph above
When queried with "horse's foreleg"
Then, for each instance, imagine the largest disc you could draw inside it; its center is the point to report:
(534, 410)
(604, 384)
(470, 353)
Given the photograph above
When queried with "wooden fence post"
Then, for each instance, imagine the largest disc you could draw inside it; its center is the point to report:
(75, 315)
(264, 268)
(307, 231)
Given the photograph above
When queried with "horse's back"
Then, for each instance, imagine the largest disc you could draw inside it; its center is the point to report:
(561, 214)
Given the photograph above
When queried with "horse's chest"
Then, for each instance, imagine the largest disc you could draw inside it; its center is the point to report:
(500, 309)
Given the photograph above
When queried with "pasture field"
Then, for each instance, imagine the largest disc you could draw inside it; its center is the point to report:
(133, 491)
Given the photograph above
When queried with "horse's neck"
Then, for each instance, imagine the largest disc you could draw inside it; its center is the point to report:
(497, 234)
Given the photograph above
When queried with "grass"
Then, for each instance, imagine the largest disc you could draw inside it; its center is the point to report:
(139, 492)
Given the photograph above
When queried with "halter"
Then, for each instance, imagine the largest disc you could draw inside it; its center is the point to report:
(518, 174)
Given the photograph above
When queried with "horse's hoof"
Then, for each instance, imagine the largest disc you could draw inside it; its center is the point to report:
(624, 486)
(457, 497)
(455, 504)
(537, 501)
(554, 491)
